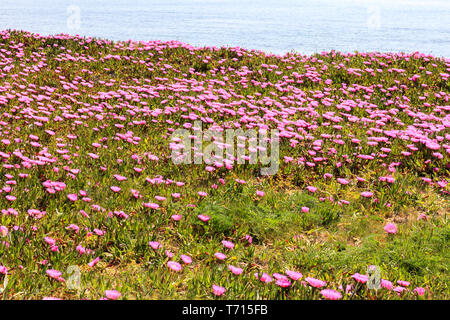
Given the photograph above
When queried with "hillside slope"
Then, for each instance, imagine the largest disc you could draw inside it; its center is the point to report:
(88, 179)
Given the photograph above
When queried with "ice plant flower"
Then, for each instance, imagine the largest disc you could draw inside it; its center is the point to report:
(265, 278)
(112, 294)
(204, 218)
(294, 275)
(186, 259)
(168, 253)
(3, 231)
(153, 206)
(10, 198)
(403, 283)
(220, 256)
(72, 196)
(366, 194)
(218, 290)
(316, 283)
(360, 277)
(386, 284)
(55, 274)
(399, 290)
(115, 189)
(228, 244)
(390, 228)
(3, 270)
(331, 294)
(175, 266)
(94, 262)
(176, 217)
(155, 245)
(284, 283)
(419, 291)
(235, 270)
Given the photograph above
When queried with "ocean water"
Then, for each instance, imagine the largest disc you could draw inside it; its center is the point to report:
(276, 26)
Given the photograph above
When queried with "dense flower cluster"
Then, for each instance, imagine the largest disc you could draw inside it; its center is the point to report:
(85, 130)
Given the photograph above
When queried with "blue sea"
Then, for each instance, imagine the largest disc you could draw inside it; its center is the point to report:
(277, 26)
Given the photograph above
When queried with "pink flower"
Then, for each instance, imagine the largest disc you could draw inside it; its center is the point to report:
(279, 276)
(3, 270)
(342, 181)
(135, 193)
(386, 284)
(294, 275)
(55, 274)
(305, 209)
(260, 193)
(72, 196)
(112, 294)
(235, 270)
(420, 291)
(366, 194)
(186, 259)
(390, 228)
(204, 218)
(119, 177)
(176, 217)
(403, 283)
(3, 231)
(331, 294)
(168, 253)
(99, 232)
(218, 290)
(151, 205)
(155, 245)
(115, 189)
(94, 262)
(228, 244)
(284, 283)
(399, 290)
(80, 249)
(175, 266)
(220, 256)
(265, 278)
(360, 277)
(316, 283)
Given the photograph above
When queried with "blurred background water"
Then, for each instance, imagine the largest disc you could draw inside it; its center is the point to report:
(276, 26)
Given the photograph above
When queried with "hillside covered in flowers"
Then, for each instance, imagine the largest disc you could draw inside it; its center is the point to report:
(88, 182)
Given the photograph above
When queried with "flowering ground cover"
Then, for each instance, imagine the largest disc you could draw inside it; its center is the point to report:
(93, 206)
